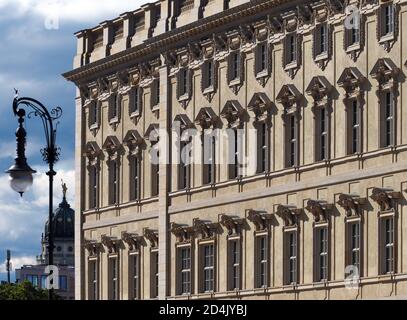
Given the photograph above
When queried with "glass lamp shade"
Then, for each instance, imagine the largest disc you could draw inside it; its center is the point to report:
(20, 178)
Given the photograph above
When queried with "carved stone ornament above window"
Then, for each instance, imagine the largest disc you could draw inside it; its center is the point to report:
(387, 39)
(134, 142)
(183, 233)
(352, 80)
(133, 240)
(233, 113)
(152, 133)
(384, 198)
(260, 105)
(183, 121)
(319, 89)
(319, 209)
(206, 118)
(206, 229)
(151, 236)
(92, 151)
(232, 224)
(110, 243)
(112, 146)
(92, 246)
(289, 214)
(351, 203)
(260, 219)
(289, 97)
(386, 73)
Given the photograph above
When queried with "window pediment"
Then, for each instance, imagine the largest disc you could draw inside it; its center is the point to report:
(289, 97)
(319, 89)
(319, 209)
(232, 224)
(206, 229)
(151, 236)
(92, 246)
(92, 150)
(152, 133)
(351, 80)
(385, 72)
(183, 233)
(289, 214)
(383, 197)
(260, 219)
(184, 121)
(112, 145)
(134, 141)
(351, 203)
(110, 243)
(132, 239)
(233, 113)
(206, 118)
(260, 105)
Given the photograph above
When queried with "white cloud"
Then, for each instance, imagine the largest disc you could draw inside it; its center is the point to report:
(17, 262)
(74, 10)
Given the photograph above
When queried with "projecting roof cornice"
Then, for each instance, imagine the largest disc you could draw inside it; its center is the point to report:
(168, 39)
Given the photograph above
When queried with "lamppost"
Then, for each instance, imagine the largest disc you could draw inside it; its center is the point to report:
(21, 175)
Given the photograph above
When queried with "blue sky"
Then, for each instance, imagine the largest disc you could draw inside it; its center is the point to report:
(37, 47)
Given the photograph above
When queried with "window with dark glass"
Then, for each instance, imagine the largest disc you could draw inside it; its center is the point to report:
(135, 275)
(93, 187)
(234, 265)
(113, 283)
(185, 270)
(388, 245)
(262, 262)
(208, 268)
(322, 253)
(291, 257)
(262, 155)
(154, 274)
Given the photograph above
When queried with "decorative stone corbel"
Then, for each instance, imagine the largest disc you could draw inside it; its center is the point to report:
(151, 236)
(351, 203)
(111, 243)
(132, 239)
(384, 198)
(233, 113)
(206, 229)
(260, 105)
(319, 209)
(232, 224)
(260, 219)
(92, 246)
(289, 214)
(183, 233)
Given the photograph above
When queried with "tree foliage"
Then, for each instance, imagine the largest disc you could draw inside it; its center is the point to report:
(22, 291)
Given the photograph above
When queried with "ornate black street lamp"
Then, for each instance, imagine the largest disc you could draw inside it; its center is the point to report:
(21, 175)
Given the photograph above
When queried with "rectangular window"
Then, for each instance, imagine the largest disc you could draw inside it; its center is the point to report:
(354, 117)
(262, 262)
(234, 265)
(135, 276)
(322, 36)
(33, 279)
(208, 75)
(154, 273)
(185, 278)
(135, 105)
(93, 114)
(43, 282)
(291, 257)
(388, 119)
(208, 268)
(388, 245)
(388, 20)
(209, 159)
(93, 187)
(63, 283)
(135, 178)
(354, 242)
(155, 173)
(184, 166)
(155, 93)
(234, 155)
(113, 107)
(291, 131)
(234, 66)
(354, 31)
(262, 155)
(322, 253)
(93, 280)
(113, 277)
(291, 48)
(114, 182)
(323, 134)
(184, 81)
(261, 62)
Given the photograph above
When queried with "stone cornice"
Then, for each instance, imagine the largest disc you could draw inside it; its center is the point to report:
(171, 38)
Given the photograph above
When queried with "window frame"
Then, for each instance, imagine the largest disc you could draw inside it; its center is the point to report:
(93, 279)
(205, 269)
(154, 273)
(291, 271)
(387, 119)
(234, 269)
(260, 281)
(321, 253)
(114, 274)
(135, 275)
(181, 271)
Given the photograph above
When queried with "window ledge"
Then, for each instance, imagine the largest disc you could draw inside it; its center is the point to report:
(210, 89)
(155, 107)
(386, 37)
(321, 56)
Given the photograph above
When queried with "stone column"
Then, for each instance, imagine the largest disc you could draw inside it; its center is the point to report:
(80, 174)
(163, 220)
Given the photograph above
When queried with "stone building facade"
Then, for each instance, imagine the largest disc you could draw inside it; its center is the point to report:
(320, 212)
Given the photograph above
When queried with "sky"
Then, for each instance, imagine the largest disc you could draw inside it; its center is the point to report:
(38, 45)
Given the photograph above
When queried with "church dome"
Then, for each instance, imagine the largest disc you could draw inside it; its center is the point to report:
(62, 221)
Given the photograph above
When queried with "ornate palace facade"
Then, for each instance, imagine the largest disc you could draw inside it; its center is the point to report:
(323, 213)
